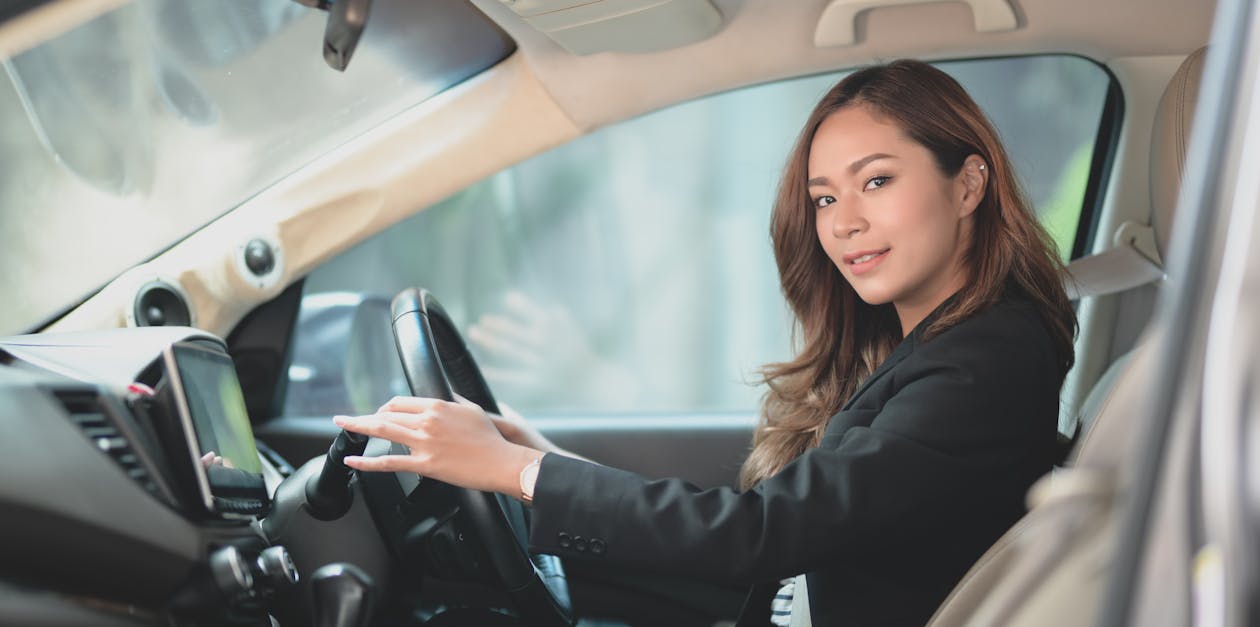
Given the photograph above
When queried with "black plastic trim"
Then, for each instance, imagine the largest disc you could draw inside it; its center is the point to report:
(1106, 146)
(261, 346)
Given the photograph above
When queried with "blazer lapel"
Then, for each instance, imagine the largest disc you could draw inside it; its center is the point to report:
(898, 354)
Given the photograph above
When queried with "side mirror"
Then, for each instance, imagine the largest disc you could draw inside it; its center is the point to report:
(346, 19)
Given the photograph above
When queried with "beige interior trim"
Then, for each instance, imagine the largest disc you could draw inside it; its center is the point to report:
(47, 21)
(624, 25)
(766, 40)
(417, 159)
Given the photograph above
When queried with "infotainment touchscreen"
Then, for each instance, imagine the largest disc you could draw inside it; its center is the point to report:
(221, 442)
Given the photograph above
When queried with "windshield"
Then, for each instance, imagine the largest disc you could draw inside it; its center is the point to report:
(126, 134)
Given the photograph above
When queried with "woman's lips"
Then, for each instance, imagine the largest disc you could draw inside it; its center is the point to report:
(862, 262)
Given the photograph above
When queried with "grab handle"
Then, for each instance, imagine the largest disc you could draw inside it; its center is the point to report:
(838, 24)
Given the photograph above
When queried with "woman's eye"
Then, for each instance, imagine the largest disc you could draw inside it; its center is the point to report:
(877, 182)
(823, 201)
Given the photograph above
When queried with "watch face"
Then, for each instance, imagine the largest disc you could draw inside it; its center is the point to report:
(529, 476)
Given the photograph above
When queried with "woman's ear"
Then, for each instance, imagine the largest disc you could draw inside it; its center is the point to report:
(973, 181)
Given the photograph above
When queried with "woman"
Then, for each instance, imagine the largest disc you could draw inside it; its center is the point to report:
(898, 444)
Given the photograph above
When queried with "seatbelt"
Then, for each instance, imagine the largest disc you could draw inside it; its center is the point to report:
(1133, 261)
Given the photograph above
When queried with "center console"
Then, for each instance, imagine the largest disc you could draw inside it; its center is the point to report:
(135, 492)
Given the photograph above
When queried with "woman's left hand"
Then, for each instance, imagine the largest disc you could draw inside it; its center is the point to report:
(453, 442)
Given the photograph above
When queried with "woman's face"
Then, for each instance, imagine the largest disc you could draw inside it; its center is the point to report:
(894, 225)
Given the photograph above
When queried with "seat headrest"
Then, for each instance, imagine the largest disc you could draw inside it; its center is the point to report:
(1169, 140)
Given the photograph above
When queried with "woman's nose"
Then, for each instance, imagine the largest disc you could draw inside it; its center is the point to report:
(846, 220)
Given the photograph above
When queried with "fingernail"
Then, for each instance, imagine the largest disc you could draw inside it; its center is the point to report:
(341, 421)
(351, 460)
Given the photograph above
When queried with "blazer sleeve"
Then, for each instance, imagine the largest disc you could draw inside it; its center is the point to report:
(962, 432)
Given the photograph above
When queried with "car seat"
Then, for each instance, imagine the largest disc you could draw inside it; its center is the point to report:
(1050, 568)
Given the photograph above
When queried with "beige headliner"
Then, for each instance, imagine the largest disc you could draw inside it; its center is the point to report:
(543, 96)
(769, 39)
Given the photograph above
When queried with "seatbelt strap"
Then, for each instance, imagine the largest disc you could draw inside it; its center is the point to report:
(1132, 262)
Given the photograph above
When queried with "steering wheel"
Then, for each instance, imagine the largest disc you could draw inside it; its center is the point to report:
(437, 364)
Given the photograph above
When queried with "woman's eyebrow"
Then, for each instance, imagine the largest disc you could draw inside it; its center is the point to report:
(854, 168)
(861, 163)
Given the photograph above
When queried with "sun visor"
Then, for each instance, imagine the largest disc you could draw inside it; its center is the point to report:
(584, 27)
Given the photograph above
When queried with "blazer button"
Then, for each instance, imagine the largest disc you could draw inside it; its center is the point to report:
(598, 547)
(579, 543)
(565, 540)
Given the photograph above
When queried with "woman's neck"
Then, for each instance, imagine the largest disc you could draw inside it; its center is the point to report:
(913, 313)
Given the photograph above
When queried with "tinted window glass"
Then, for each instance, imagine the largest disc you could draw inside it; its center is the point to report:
(630, 271)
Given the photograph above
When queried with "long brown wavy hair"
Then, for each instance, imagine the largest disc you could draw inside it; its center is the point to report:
(841, 339)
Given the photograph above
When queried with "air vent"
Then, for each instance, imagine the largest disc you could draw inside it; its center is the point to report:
(86, 412)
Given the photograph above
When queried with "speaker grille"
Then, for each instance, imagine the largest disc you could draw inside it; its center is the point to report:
(160, 304)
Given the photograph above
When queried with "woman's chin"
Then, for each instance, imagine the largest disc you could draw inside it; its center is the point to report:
(874, 296)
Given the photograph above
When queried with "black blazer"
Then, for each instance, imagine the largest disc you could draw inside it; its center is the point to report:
(915, 477)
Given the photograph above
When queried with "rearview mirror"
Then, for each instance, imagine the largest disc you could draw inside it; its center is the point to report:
(346, 19)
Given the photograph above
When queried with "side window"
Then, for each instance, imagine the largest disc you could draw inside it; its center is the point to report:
(630, 270)
(1049, 111)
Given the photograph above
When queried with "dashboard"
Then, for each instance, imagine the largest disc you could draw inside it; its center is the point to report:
(130, 482)
(133, 492)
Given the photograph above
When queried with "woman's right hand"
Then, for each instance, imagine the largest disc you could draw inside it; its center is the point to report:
(511, 425)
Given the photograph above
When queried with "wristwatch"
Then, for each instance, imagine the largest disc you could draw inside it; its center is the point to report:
(529, 476)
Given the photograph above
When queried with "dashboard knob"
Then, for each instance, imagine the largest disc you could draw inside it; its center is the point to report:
(276, 567)
(232, 574)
